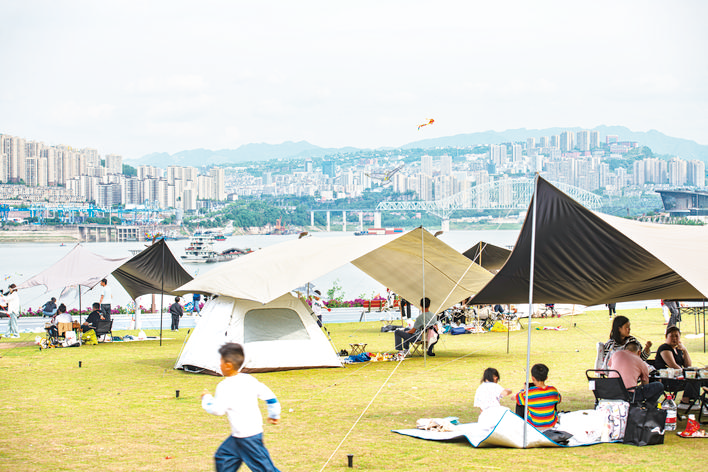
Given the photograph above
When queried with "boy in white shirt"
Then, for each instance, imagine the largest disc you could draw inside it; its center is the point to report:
(237, 397)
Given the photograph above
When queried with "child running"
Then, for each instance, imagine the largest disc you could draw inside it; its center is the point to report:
(237, 396)
(487, 397)
(543, 399)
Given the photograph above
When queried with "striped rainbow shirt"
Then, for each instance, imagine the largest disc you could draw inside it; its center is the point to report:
(542, 405)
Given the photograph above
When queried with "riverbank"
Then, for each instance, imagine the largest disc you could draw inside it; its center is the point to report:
(25, 235)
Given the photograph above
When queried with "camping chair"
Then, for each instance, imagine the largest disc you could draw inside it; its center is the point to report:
(605, 387)
(703, 403)
(104, 327)
(420, 345)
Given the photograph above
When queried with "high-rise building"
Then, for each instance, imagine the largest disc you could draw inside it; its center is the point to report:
(555, 141)
(594, 139)
(696, 173)
(517, 153)
(426, 165)
(582, 140)
(677, 170)
(566, 141)
(497, 154)
(328, 169)
(544, 141)
(114, 164)
(218, 175)
(445, 165)
(530, 143)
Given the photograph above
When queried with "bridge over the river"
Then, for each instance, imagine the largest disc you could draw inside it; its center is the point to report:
(507, 194)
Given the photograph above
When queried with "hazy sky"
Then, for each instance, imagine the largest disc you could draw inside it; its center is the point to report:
(135, 77)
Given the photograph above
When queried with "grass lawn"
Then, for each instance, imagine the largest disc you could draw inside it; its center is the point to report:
(119, 411)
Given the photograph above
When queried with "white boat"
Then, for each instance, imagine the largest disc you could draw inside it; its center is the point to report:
(201, 249)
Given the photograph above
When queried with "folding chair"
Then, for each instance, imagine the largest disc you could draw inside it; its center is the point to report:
(605, 387)
(703, 405)
(104, 327)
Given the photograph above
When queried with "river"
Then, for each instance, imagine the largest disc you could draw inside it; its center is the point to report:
(20, 261)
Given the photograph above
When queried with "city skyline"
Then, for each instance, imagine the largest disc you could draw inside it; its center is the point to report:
(133, 78)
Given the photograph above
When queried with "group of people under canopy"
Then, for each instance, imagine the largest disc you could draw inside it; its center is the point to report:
(625, 354)
(622, 354)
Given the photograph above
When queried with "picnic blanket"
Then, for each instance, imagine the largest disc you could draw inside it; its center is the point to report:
(507, 432)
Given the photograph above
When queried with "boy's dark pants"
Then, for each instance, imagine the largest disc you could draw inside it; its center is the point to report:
(250, 450)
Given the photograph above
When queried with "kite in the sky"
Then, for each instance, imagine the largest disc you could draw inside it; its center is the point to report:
(430, 122)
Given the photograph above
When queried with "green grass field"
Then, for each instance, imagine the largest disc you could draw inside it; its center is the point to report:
(119, 411)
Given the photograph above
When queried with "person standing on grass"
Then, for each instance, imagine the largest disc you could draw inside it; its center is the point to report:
(11, 300)
(318, 305)
(106, 299)
(176, 311)
(196, 298)
(237, 397)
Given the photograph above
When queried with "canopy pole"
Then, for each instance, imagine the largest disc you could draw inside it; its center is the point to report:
(162, 287)
(425, 325)
(528, 335)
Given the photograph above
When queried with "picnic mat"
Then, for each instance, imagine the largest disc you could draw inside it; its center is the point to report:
(508, 432)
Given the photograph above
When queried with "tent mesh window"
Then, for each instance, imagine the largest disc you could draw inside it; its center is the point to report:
(271, 324)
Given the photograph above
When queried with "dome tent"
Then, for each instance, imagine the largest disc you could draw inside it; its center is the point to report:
(279, 335)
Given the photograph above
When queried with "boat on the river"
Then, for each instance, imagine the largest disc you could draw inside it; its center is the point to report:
(378, 231)
(201, 249)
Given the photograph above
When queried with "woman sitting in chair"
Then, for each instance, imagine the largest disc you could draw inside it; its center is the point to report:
(673, 354)
(620, 337)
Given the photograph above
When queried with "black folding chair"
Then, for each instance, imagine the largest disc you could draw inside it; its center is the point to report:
(104, 327)
(605, 387)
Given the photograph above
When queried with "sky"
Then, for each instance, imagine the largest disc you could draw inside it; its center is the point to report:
(137, 77)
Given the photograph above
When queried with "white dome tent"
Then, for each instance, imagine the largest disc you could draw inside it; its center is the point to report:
(279, 335)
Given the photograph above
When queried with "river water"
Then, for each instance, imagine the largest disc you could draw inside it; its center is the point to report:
(20, 261)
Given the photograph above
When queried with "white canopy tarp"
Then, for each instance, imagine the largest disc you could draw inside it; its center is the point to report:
(80, 267)
(412, 264)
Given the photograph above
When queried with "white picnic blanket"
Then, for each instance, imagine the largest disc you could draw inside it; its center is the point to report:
(508, 431)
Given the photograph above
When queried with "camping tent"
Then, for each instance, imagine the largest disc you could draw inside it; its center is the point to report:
(279, 335)
(488, 255)
(153, 270)
(413, 264)
(590, 258)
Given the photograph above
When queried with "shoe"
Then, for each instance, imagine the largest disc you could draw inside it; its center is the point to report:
(431, 354)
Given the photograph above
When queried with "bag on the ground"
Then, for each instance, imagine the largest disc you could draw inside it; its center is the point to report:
(387, 328)
(557, 436)
(458, 330)
(614, 414)
(645, 426)
(89, 337)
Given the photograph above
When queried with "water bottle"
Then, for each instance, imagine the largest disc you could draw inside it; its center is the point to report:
(671, 410)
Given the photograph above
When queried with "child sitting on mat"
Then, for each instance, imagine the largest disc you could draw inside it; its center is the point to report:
(487, 397)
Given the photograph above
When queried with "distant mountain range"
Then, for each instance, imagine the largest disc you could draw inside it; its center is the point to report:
(658, 142)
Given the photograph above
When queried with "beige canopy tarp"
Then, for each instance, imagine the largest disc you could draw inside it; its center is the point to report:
(411, 265)
(590, 258)
(80, 267)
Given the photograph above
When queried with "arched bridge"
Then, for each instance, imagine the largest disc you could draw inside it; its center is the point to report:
(498, 195)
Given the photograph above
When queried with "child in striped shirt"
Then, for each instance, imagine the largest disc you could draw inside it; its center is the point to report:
(542, 399)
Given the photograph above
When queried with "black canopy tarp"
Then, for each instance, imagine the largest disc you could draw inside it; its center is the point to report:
(590, 258)
(154, 270)
(487, 255)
